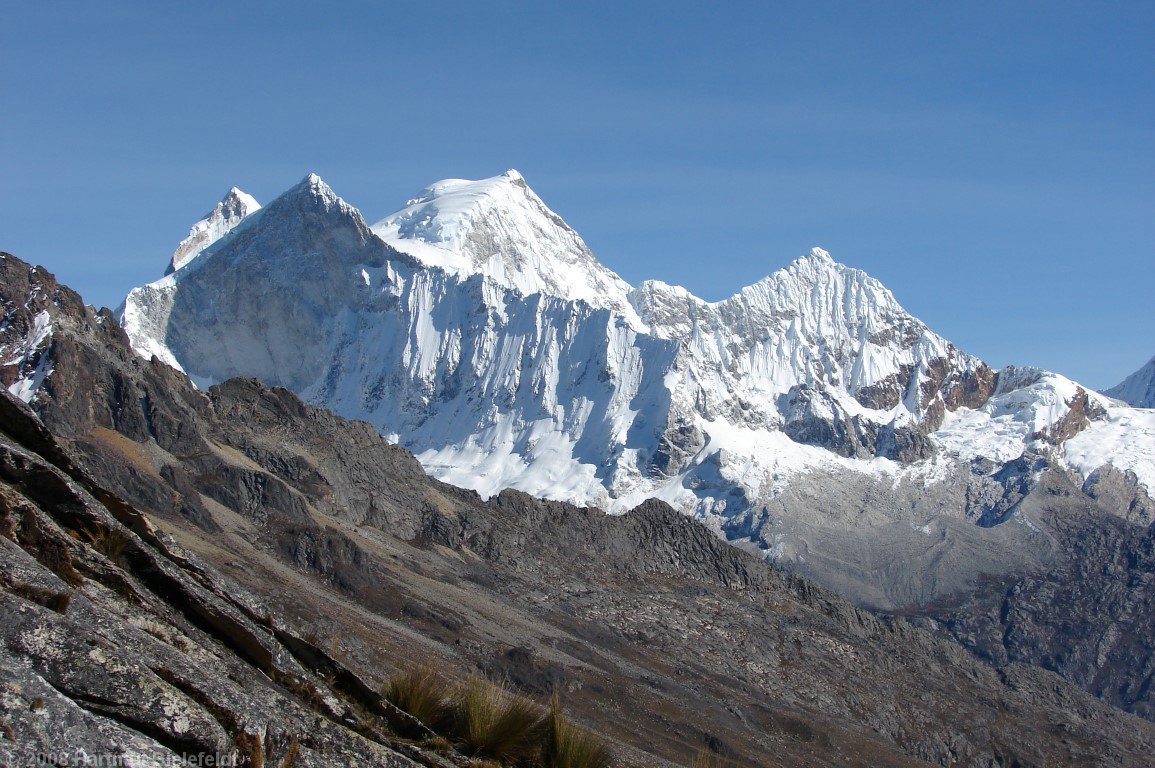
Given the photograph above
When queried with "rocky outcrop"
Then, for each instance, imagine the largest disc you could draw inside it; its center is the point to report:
(814, 417)
(118, 644)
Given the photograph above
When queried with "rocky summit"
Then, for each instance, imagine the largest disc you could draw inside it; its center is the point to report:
(230, 572)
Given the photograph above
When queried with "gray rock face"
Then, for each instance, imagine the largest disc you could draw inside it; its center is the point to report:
(117, 644)
(314, 558)
(1087, 617)
(814, 417)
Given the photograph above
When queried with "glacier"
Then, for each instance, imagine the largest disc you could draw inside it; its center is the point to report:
(808, 417)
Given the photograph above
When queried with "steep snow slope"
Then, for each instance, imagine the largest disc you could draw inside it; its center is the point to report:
(475, 327)
(1138, 389)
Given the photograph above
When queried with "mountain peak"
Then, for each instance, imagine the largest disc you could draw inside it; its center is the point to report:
(514, 176)
(313, 185)
(1138, 389)
(312, 196)
(500, 228)
(238, 197)
(214, 225)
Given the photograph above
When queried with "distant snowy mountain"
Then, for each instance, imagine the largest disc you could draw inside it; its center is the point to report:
(808, 416)
(1138, 389)
(500, 229)
(215, 224)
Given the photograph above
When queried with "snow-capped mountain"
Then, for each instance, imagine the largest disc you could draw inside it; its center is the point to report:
(214, 225)
(1138, 389)
(499, 228)
(476, 328)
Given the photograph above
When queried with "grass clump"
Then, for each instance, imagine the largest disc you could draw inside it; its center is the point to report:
(424, 693)
(56, 601)
(290, 754)
(107, 541)
(567, 746)
(705, 759)
(492, 722)
(494, 726)
(250, 749)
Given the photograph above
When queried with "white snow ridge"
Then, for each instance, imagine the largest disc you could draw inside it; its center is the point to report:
(475, 327)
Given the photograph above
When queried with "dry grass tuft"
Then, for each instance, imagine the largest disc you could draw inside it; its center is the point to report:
(291, 753)
(706, 759)
(55, 556)
(492, 722)
(567, 746)
(56, 601)
(494, 726)
(250, 749)
(424, 693)
(107, 541)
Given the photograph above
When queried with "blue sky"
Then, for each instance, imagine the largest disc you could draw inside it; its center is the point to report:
(993, 164)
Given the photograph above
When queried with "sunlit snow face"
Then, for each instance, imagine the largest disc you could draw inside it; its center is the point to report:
(504, 354)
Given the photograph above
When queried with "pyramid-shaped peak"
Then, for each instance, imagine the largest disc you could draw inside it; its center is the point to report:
(313, 184)
(237, 202)
(1138, 389)
(827, 299)
(818, 265)
(228, 213)
(311, 194)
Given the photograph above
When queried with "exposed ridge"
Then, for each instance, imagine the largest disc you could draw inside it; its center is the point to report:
(214, 225)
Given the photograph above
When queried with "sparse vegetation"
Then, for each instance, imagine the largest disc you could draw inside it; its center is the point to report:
(56, 601)
(253, 750)
(438, 744)
(492, 722)
(107, 541)
(567, 746)
(290, 754)
(706, 759)
(424, 693)
(493, 725)
(250, 749)
(54, 555)
(161, 632)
